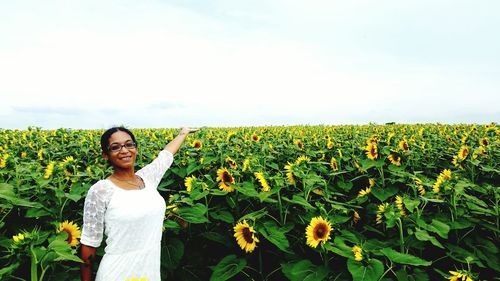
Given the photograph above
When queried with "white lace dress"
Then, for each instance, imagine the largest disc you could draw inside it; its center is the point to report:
(132, 221)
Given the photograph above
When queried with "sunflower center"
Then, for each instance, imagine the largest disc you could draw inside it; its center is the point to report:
(247, 235)
(320, 231)
(70, 237)
(227, 178)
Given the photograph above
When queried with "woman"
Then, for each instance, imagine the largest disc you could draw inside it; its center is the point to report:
(128, 209)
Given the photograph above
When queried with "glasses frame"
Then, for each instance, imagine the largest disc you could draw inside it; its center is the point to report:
(128, 145)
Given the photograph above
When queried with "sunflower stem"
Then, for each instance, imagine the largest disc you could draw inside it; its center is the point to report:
(34, 273)
(281, 207)
(401, 238)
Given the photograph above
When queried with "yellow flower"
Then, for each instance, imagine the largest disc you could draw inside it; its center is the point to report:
(263, 182)
(371, 150)
(188, 182)
(380, 212)
(246, 162)
(231, 163)
(72, 230)
(318, 231)
(49, 170)
(400, 205)
(329, 145)
(245, 236)
(255, 137)
(18, 237)
(225, 179)
(333, 164)
(355, 217)
(459, 276)
(197, 144)
(446, 174)
(420, 186)
(3, 160)
(358, 256)
(299, 144)
(340, 153)
(484, 141)
(371, 182)
(403, 145)
(464, 151)
(289, 173)
(364, 192)
(302, 159)
(395, 160)
(23, 154)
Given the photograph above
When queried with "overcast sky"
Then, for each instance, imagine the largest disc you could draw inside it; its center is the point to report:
(173, 63)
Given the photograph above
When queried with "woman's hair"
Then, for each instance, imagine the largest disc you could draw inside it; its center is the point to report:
(105, 137)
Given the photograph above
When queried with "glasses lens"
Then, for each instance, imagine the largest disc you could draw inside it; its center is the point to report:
(130, 145)
(115, 147)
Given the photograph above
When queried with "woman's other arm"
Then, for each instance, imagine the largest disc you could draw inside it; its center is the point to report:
(174, 145)
(88, 256)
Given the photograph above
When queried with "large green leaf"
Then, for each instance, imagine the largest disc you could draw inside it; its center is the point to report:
(171, 254)
(193, 214)
(423, 235)
(222, 215)
(275, 235)
(371, 270)
(304, 270)
(401, 258)
(228, 267)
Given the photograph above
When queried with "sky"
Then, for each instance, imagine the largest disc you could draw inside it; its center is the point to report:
(94, 64)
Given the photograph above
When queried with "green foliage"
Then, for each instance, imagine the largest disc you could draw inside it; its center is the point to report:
(410, 222)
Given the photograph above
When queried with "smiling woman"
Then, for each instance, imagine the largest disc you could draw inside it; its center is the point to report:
(127, 207)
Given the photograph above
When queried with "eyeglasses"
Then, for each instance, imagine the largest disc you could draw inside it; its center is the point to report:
(115, 147)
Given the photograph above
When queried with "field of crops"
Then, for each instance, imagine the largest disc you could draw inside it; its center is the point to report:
(372, 202)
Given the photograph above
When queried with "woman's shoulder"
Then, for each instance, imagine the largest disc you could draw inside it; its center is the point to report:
(102, 188)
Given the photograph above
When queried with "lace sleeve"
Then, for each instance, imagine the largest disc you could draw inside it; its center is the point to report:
(155, 170)
(94, 209)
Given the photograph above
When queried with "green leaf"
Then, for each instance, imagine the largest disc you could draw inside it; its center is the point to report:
(222, 215)
(373, 270)
(248, 189)
(382, 193)
(219, 238)
(410, 204)
(254, 215)
(228, 267)
(304, 270)
(7, 193)
(296, 199)
(275, 235)
(193, 214)
(346, 186)
(423, 235)
(340, 248)
(436, 226)
(171, 254)
(398, 257)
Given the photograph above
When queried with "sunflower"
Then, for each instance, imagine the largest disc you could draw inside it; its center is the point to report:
(225, 179)
(255, 137)
(355, 217)
(403, 145)
(395, 160)
(263, 182)
(72, 230)
(420, 186)
(357, 251)
(464, 151)
(364, 192)
(371, 150)
(484, 141)
(231, 162)
(245, 236)
(49, 170)
(246, 162)
(197, 144)
(400, 205)
(299, 144)
(188, 182)
(380, 212)
(289, 173)
(459, 276)
(318, 231)
(329, 145)
(302, 159)
(333, 164)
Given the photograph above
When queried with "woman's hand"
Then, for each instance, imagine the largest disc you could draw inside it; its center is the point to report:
(187, 131)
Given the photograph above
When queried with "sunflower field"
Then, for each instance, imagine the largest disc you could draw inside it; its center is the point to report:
(364, 202)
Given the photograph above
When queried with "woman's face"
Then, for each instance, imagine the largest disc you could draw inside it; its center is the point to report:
(123, 158)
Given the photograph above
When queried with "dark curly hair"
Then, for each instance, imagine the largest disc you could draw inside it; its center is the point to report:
(106, 135)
